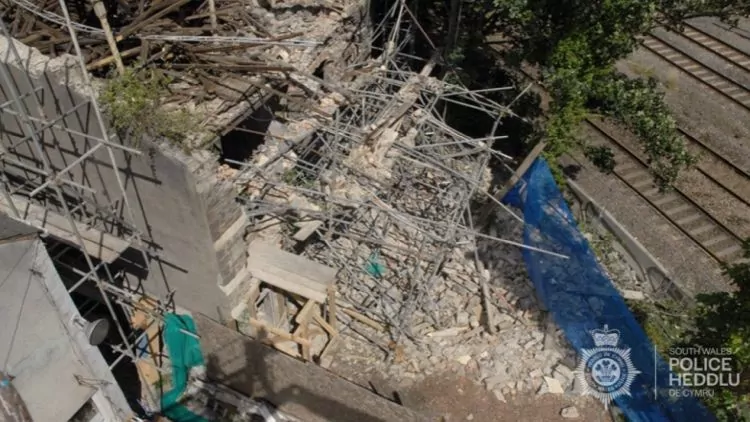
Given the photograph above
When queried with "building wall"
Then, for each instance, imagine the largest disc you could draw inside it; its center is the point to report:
(303, 390)
(45, 352)
(179, 223)
(193, 225)
(226, 223)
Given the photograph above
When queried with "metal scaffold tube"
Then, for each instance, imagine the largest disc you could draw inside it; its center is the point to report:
(37, 122)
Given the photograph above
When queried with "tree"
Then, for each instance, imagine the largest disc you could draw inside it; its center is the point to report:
(574, 44)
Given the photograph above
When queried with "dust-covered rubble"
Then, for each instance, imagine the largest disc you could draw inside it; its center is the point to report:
(626, 279)
(517, 358)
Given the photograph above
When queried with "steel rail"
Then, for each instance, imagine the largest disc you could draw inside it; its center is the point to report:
(732, 243)
(727, 87)
(695, 35)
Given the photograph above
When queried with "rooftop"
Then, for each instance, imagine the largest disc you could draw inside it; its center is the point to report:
(12, 229)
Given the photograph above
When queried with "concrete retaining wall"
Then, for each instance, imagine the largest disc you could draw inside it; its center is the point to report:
(587, 209)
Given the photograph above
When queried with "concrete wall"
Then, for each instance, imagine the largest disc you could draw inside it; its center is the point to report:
(301, 389)
(180, 224)
(43, 349)
(639, 258)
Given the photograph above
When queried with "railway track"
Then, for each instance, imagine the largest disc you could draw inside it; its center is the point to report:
(735, 91)
(697, 223)
(733, 171)
(717, 46)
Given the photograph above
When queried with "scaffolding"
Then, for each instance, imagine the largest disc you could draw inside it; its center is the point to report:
(380, 186)
(41, 190)
(369, 178)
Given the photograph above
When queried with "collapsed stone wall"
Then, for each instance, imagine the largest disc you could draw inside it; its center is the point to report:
(382, 208)
(184, 206)
(524, 353)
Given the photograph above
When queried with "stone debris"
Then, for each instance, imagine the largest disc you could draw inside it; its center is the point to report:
(463, 360)
(510, 361)
(382, 187)
(553, 386)
(616, 265)
(448, 332)
(570, 412)
(632, 294)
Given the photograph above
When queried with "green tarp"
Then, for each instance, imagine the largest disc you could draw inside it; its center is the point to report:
(185, 353)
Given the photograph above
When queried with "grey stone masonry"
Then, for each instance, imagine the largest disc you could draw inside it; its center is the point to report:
(222, 209)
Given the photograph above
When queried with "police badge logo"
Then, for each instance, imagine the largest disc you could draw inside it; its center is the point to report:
(606, 372)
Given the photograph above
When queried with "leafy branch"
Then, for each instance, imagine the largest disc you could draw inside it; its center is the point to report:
(134, 103)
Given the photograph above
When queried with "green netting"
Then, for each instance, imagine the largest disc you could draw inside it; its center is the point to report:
(375, 266)
(185, 353)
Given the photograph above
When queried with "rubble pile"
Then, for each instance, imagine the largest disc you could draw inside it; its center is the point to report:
(376, 185)
(222, 63)
(522, 355)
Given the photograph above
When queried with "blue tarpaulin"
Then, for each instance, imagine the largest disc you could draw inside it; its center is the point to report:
(581, 298)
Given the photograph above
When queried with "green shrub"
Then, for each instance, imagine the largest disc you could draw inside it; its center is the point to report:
(134, 104)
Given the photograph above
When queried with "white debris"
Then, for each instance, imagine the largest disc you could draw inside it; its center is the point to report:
(463, 360)
(633, 295)
(569, 413)
(553, 386)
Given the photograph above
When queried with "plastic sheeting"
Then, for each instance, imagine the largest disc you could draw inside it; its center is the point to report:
(581, 297)
(185, 353)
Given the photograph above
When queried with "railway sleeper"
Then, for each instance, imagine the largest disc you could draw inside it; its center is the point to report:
(655, 191)
(705, 228)
(621, 168)
(729, 251)
(676, 210)
(689, 219)
(638, 182)
(716, 240)
(666, 199)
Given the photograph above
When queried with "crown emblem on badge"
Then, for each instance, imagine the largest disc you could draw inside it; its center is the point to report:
(605, 337)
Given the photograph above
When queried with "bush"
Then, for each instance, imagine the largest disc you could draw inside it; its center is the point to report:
(134, 101)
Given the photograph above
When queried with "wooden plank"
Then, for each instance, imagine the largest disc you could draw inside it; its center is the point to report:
(364, 320)
(212, 12)
(98, 244)
(134, 27)
(303, 316)
(275, 280)
(261, 325)
(517, 175)
(290, 272)
(332, 306)
(306, 229)
(302, 330)
(108, 60)
(319, 319)
(142, 320)
(101, 13)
